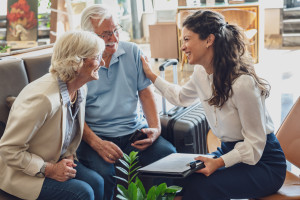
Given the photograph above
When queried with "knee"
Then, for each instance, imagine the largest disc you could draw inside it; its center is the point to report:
(86, 192)
(98, 184)
(106, 172)
(164, 147)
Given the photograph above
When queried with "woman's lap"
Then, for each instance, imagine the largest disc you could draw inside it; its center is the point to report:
(86, 185)
(241, 180)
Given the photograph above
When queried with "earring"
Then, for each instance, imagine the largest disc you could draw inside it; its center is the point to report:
(207, 46)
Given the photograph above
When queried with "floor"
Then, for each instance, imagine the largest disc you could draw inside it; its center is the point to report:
(278, 65)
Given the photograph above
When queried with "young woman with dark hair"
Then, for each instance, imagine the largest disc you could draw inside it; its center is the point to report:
(250, 162)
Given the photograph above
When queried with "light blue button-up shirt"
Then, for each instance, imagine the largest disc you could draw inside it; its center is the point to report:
(72, 122)
(112, 100)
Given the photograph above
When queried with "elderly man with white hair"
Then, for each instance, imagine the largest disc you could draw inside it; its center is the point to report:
(112, 114)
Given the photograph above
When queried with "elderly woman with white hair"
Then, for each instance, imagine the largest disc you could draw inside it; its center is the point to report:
(45, 125)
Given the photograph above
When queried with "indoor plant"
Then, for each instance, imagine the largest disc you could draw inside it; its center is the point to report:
(135, 189)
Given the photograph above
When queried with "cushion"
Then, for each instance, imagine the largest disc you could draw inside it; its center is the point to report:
(10, 100)
(13, 79)
(37, 66)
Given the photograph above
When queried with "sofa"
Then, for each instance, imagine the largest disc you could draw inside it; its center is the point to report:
(15, 73)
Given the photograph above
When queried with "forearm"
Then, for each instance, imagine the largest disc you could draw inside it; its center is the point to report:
(149, 108)
(90, 137)
(152, 77)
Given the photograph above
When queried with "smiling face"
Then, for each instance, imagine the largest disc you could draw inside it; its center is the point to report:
(108, 31)
(90, 68)
(194, 48)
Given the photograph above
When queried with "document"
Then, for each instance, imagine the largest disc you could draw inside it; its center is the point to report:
(175, 165)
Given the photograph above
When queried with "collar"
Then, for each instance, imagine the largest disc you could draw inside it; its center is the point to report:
(65, 93)
(120, 51)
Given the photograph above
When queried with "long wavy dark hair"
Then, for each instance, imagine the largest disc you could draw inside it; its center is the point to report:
(231, 58)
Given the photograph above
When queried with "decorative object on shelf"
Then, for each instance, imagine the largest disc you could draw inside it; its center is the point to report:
(236, 1)
(210, 2)
(22, 23)
(4, 49)
(22, 20)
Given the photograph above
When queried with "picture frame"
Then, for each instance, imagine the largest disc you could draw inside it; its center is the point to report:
(22, 23)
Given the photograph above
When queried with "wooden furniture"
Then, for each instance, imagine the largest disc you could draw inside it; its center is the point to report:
(289, 138)
(244, 19)
(212, 142)
(163, 40)
(252, 22)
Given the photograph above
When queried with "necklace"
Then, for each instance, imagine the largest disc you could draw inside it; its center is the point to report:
(75, 98)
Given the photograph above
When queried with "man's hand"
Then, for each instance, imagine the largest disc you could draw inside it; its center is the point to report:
(109, 151)
(61, 171)
(152, 135)
(211, 165)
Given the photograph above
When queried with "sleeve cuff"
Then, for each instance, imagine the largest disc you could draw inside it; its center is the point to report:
(34, 166)
(231, 158)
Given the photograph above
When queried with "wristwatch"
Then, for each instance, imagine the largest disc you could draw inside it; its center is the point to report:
(41, 173)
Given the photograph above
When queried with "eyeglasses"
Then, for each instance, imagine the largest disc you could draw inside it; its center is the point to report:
(108, 34)
(98, 57)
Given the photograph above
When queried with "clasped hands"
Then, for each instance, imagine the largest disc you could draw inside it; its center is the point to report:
(62, 170)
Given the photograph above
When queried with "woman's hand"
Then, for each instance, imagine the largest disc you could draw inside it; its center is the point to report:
(211, 165)
(152, 135)
(61, 171)
(147, 69)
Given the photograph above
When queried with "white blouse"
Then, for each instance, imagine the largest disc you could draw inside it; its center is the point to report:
(243, 117)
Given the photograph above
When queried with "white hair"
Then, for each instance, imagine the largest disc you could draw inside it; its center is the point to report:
(96, 11)
(69, 51)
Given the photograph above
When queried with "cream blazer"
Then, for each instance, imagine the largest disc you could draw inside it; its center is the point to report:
(34, 134)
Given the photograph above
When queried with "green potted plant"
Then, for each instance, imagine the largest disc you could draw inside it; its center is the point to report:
(135, 189)
(4, 49)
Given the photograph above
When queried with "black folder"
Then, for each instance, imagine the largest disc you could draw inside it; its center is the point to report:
(175, 165)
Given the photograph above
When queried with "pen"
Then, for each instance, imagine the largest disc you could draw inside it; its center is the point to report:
(194, 163)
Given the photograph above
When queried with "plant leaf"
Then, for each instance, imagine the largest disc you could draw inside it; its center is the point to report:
(132, 191)
(151, 193)
(134, 170)
(140, 195)
(124, 163)
(160, 190)
(123, 191)
(173, 189)
(140, 185)
(121, 197)
(127, 158)
(133, 156)
(124, 171)
(120, 178)
(132, 178)
(132, 165)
